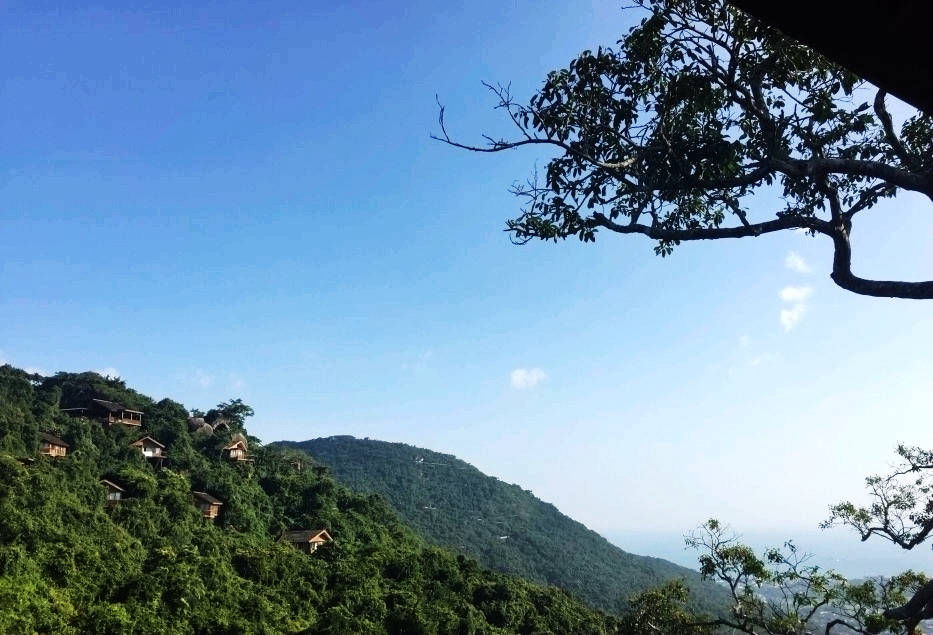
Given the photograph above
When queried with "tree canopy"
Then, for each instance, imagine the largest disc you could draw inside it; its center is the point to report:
(783, 593)
(233, 412)
(901, 511)
(506, 528)
(697, 110)
(73, 562)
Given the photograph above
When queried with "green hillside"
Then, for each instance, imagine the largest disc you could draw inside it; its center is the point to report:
(70, 562)
(453, 504)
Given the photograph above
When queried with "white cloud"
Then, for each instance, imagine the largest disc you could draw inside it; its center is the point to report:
(796, 294)
(795, 262)
(744, 341)
(110, 372)
(790, 317)
(524, 378)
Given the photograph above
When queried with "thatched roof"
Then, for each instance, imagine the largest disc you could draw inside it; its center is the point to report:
(236, 440)
(113, 406)
(112, 485)
(307, 535)
(207, 498)
(141, 442)
(52, 439)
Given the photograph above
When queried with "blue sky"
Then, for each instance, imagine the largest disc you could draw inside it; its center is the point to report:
(243, 200)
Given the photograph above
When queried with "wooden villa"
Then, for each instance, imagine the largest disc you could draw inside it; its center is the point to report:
(114, 491)
(307, 540)
(151, 449)
(108, 412)
(207, 504)
(51, 445)
(236, 449)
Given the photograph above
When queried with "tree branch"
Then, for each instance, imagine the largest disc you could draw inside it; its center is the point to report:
(694, 113)
(713, 233)
(842, 257)
(888, 126)
(915, 607)
(839, 622)
(842, 275)
(799, 168)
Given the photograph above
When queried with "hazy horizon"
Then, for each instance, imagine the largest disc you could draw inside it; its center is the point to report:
(837, 548)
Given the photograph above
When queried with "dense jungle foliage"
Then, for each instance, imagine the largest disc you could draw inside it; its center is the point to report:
(453, 504)
(70, 562)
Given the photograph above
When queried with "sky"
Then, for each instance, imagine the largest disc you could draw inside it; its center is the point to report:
(242, 200)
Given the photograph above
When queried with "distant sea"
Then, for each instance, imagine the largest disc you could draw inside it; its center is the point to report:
(839, 549)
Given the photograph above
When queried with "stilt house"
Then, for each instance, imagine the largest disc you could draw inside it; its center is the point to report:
(114, 491)
(207, 504)
(236, 449)
(51, 445)
(108, 412)
(151, 449)
(308, 540)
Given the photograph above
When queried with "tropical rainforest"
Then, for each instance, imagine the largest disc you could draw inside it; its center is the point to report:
(74, 560)
(453, 504)
(70, 561)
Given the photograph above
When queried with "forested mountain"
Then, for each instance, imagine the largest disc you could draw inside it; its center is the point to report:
(453, 504)
(73, 562)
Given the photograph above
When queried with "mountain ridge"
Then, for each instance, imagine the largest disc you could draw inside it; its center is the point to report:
(453, 504)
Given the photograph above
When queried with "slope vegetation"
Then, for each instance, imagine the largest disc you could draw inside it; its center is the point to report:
(70, 562)
(453, 504)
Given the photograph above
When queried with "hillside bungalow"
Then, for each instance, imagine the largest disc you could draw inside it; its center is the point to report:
(114, 491)
(308, 540)
(207, 504)
(108, 412)
(151, 449)
(236, 449)
(51, 445)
